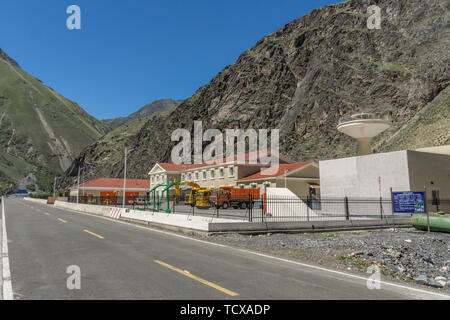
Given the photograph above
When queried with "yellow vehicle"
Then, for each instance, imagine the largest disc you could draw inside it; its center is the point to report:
(203, 198)
(191, 199)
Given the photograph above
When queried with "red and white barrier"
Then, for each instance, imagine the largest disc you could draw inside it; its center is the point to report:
(115, 213)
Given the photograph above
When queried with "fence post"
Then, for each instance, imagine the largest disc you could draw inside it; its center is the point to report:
(426, 209)
(381, 207)
(173, 204)
(347, 212)
(250, 209)
(307, 212)
(392, 208)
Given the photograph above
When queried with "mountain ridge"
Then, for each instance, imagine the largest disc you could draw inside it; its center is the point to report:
(303, 77)
(156, 106)
(39, 129)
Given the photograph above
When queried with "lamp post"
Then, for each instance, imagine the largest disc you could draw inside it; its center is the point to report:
(285, 171)
(78, 189)
(125, 174)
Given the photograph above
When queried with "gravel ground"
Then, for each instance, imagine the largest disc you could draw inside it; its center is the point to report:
(402, 254)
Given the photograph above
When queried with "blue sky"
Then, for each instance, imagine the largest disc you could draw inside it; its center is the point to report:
(129, 53)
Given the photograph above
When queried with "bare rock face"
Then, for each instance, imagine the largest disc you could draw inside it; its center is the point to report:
(302, 78)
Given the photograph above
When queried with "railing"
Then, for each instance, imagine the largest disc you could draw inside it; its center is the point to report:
(363, 116)
(272, 208)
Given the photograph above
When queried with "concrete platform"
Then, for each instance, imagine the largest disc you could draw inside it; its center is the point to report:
(210, 225)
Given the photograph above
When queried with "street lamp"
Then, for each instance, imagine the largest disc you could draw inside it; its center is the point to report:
(78, 189)
(285, 171)
(125, 173)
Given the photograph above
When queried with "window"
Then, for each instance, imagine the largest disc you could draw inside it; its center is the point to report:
(231, 171)
(189, 176)
(182, 177)
(151, 179)
(212, 174)
(196, 176)
(253, 185)
(221, 173)
(204, 175)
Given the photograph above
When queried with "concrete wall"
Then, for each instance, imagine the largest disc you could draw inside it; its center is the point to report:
(282, 202)
(299, 188)
(357, 177)
(189, 224)
(430, 170)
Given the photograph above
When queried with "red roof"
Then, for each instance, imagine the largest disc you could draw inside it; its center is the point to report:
(115, 183)
(178, 167)
(276, 171)
(182, 167)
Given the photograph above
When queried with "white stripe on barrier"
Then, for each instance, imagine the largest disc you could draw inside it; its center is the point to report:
(115, 213)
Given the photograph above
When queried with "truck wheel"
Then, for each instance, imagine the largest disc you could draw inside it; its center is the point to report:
(225, 205)
(243, 205)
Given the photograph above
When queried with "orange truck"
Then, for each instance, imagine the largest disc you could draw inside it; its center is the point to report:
(226, 197)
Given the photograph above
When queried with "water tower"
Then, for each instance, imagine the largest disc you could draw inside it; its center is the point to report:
(363, 127)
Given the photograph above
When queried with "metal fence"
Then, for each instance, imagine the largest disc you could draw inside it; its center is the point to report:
(271, 208)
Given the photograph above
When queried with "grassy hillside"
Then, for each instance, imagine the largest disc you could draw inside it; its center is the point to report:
(39, 127)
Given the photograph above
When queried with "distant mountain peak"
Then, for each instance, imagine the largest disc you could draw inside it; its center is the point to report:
(154, 107)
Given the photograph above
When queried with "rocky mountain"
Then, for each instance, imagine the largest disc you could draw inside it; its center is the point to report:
(302, 78)
(41, 132)
(147, 110)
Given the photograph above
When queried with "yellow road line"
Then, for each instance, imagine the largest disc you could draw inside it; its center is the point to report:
(94, 234)
(62, 220)
(206, 282)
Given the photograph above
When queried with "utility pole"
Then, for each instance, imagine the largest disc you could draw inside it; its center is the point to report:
(125, 174)
(285, 178)
(78, 189)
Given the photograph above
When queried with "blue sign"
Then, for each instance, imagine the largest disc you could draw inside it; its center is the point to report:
(409, 202)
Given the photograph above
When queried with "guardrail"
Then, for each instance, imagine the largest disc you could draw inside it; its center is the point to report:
(363, 116)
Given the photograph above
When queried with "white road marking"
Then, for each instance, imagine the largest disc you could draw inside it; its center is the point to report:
(7, 285)
(417, 292)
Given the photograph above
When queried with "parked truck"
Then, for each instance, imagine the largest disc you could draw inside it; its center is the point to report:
(203, 199)
(226, 197)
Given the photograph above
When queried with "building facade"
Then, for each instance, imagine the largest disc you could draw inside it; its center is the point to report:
(373, 176)
(230, 172)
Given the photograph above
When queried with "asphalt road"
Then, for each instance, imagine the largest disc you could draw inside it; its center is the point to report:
(123, 261)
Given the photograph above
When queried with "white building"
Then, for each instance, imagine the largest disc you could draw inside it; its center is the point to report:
(374, 175)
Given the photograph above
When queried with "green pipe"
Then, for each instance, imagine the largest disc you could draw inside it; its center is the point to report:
(438, 222)
(166, 190)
